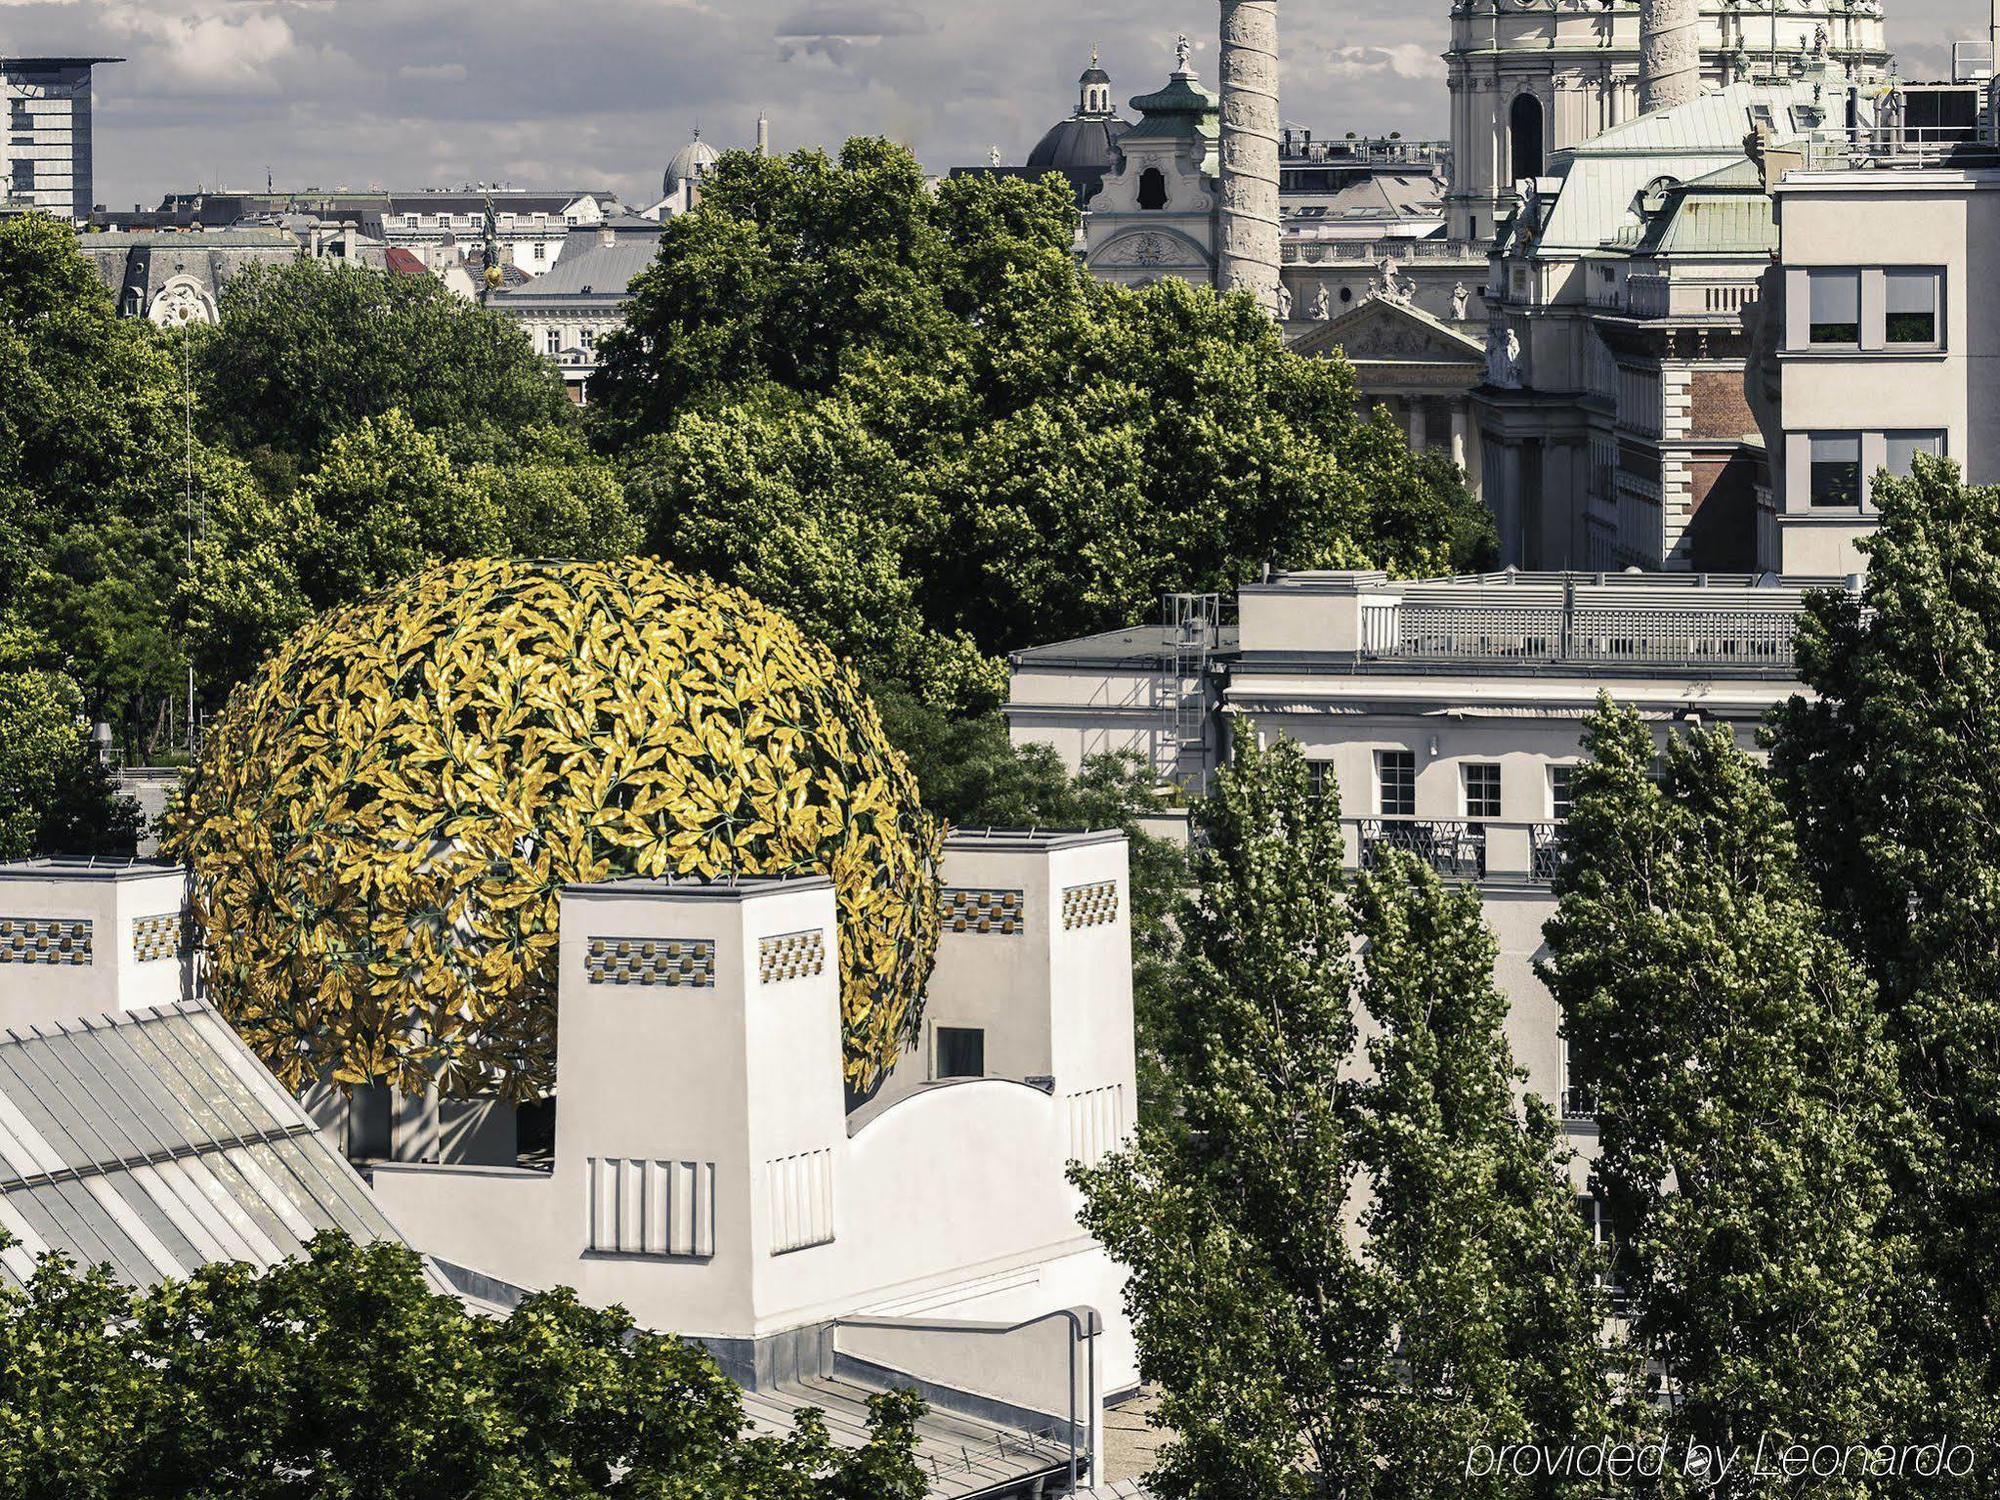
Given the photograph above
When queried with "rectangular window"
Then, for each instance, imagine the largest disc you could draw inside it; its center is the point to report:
(541, 251)
(1910, 307)
(1905, 446)
(1835, 315)
(555, 341)
(409, 221)
(1396, 783)
(1561, 779)
(1482, 791)
(961, 1052)
(1836, 469)
(588, 338)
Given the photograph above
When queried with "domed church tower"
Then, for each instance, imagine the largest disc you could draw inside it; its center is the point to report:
(1085, 146)
(1532, 77)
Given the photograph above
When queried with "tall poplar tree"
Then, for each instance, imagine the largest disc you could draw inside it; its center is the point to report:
(1746, 1099)
(1892, 769)
(1479, 1254)
(1339, 1285)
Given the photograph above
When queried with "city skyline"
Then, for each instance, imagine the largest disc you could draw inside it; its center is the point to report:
(354, 93)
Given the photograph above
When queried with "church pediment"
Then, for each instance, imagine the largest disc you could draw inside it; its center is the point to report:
(1383, 331)
(1149, 247)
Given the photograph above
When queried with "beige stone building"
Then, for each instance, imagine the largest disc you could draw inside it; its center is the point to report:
(1888, 339)
(1447, 712)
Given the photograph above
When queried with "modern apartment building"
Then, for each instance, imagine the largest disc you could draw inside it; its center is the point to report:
(45, 153)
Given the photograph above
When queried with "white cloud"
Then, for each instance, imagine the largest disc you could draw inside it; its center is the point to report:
(223, 46)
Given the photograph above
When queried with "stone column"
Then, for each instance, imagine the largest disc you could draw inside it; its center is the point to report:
(1251, 250)
(1458, 431)
(1420, 431)
(1669, 53)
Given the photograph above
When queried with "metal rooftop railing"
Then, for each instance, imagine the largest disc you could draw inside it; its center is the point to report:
(1600, 620)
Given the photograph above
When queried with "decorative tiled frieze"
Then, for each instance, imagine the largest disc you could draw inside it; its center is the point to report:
(801, 1189)
(1093, 905)
(1002, 912)
(656, 1208)
(156, 938)
(684, 963)
(45, 940)
(791, 955)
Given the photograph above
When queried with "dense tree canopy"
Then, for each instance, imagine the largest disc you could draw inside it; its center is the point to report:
(308, 351)
(1892, 769)
(906, 415)
(343, 1374)
(1292, 1360)
(1747, 1100)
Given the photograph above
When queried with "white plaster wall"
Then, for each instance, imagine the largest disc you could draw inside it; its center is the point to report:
(34, 994)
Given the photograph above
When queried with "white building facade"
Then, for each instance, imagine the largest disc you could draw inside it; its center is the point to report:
(1448, 712)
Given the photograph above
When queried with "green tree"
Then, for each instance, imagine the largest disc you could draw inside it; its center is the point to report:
(96, 467)
(910, 417)
(1746, 1098)
(1889, 767)
(1293, 1360)
(55, 798)
(341, 1373)
(307, 351)
(1473, 1236)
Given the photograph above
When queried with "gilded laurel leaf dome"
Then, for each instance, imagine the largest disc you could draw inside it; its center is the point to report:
(384, 816)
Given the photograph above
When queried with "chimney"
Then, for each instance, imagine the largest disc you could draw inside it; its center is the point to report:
(1250, 253)
(1669, 53)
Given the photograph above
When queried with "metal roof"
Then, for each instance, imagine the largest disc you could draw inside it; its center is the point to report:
(154, 1142)
(606, 271)
(961, 1457)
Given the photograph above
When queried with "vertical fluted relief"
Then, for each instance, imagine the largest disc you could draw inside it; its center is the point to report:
(1669, 53)
(1251, 233)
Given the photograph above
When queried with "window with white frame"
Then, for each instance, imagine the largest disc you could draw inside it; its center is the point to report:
(1910, 309)
(555, 341)
(1561, 780)
(1482, 790)
(1834, 307)
(409, 221)
(1396, 783)
(541, 252)
(587, 339)
(1836, 469)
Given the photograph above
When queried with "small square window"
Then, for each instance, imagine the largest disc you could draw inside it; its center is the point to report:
(961, 1052)
(1836, 469)
(1835, 314)
(1482, 791)
(1396, 783)
(1561, 780)
(1903, 447)
(1910, 307)
(1324, 782)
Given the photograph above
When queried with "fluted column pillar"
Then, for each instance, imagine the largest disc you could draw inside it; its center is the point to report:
(1669, 53)
(1251, 250)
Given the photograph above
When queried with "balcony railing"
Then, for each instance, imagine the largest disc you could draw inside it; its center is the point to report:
(1545, 847)
(1490, 850)
(1450, 846)
(1686, 297)
(1556, 629)
(1579, 1104)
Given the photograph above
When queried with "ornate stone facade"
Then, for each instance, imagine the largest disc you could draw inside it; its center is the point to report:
(1529, 78)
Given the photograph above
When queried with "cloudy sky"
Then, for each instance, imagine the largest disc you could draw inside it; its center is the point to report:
(590, 93)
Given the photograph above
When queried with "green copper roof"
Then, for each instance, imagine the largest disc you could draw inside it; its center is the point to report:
(1183, 110)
